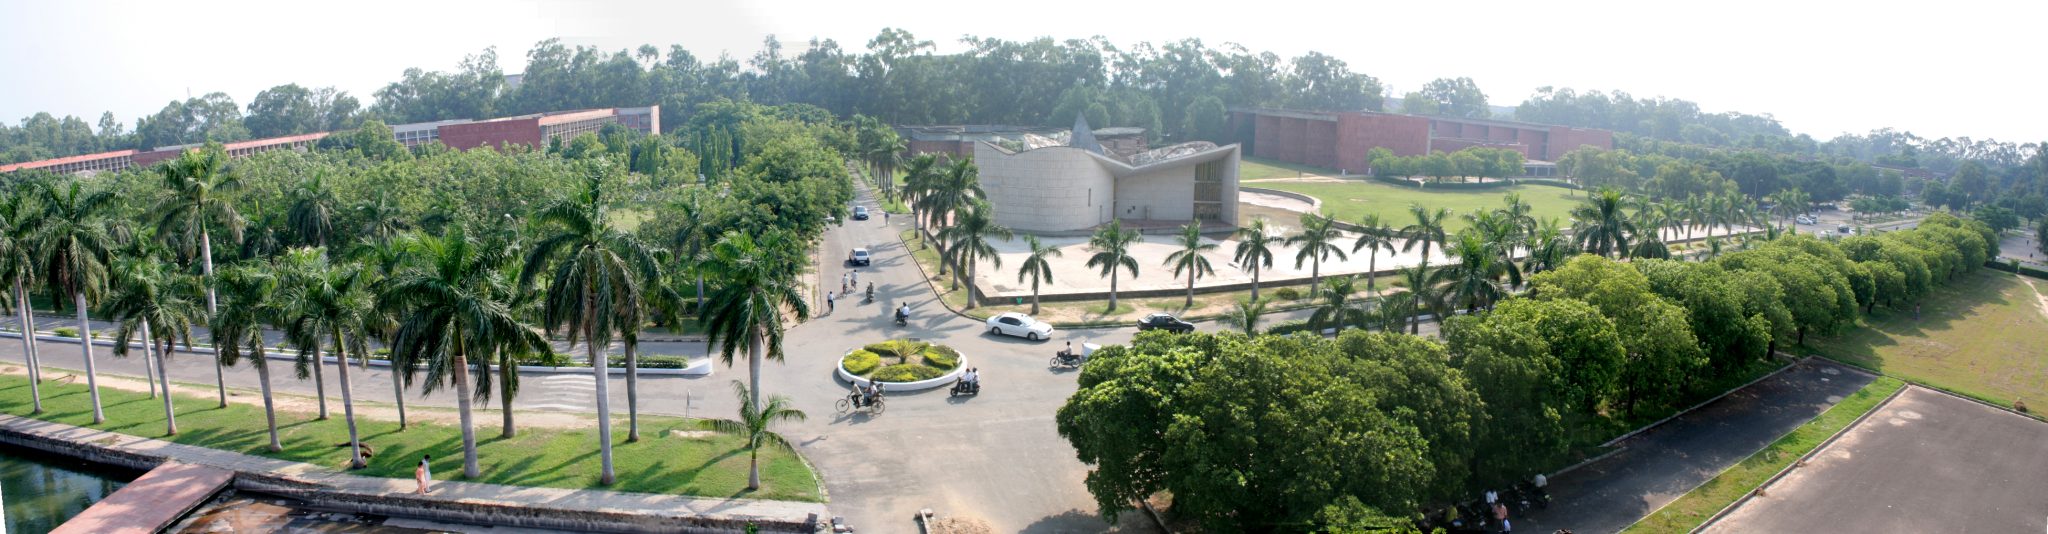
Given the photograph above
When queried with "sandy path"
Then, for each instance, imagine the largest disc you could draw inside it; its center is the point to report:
(2040, 300)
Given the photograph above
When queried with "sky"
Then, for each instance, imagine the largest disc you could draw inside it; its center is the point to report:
(1966, 68)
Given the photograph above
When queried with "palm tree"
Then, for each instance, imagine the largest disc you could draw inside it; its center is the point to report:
(755, 285)
(1424, 293)
(949, 193)
(1427, 229)
(454, 303)
(1393, 312)
(1601, 225)
(918, 175)
(1255, 250)
(1373, 237)
(1190, 259)
(382, 258)
(755, 418)
(1499, 236)
(74, 239)
(1472, 277)
(18, 224)
(324, 300)
(693, 240)
(194, 198)
(1549, 247)
(311, 215)
(1037, 267)
(1334, 308)
(968, 242)
(1317, 241)
(1112, 246)
(597, 277)
(149, 293)
(1245, 316)
(1695, 211)
(1518, 212)
(245, 311)
(382, 218)
(1789, 202)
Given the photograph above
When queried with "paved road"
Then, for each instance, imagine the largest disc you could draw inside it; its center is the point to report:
(996, 456)
(1660, 465)
(1925, 462)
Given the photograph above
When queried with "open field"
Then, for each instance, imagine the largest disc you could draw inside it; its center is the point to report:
(709, 466)
(1351, 200)
(1251, 168)
(1696, 506)
(1981, 335)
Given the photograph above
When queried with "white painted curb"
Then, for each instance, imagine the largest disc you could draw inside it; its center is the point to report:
(699, 367)
(921, 385)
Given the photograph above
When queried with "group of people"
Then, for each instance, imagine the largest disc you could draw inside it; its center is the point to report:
(865, 395)
(968, 381)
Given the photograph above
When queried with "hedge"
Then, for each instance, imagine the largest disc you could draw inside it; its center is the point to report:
(942, 357)
(1427, 185)
(65, 331)
(861, 362)
(654, 361)
(548, 359)
(906, 372)
(2014, 267)
(1287, 293)
(1287, 327)
(896, 348)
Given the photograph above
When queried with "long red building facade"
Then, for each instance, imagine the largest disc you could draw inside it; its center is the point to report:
(535, 130)
(1340, 140)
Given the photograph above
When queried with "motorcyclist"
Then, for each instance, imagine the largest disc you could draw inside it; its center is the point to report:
(871, 291)
(903, 313)
(970, 381)
(860, 395)
(1067, 354)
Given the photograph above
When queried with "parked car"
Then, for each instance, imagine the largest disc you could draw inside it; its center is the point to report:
(1842, 228)
(1020, 325)
(1165, 321)
(858, 257)
(1802, 219)
(860, 213)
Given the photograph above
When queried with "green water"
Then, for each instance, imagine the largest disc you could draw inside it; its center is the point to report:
(43, 490)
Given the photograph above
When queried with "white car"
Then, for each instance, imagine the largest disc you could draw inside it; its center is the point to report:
(1020, 325)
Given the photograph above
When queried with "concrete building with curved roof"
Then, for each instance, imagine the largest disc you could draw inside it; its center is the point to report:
(1042, 186)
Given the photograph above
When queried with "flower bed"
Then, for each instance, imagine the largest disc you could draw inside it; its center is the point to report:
(902, 364)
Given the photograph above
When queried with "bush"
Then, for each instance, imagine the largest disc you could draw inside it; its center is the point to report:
(654, 361)
(65, 331)
(906, 372)
(942, 357)
(1287, 293)
(1287, 327)
(548, 359)
(897, 348)
(861, 362)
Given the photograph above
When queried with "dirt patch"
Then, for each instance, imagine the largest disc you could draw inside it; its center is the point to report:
(2040, 300)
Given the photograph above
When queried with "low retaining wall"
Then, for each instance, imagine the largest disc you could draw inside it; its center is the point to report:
(700, 367)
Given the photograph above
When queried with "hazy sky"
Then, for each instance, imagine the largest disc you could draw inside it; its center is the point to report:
(1949, 68)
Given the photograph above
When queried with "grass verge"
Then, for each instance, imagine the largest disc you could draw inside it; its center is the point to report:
(1979, 336)
(662, 462)
(1696, 506)
(1351, 200)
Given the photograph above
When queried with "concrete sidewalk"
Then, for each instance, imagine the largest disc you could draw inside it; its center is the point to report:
(466, 502)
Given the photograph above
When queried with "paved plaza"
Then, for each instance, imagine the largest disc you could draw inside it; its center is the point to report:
(1924, 462)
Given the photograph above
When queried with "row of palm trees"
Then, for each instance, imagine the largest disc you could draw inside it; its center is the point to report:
(452, 305)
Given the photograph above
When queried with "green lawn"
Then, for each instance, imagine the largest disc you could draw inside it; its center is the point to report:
(1259, 169)
(1984, 335)
(713, 466)
(1688, 511)
(1351, 200)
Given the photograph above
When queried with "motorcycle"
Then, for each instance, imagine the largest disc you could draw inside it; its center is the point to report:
(871, 294)
(1530, 495)
(963, 387)
(902, 319)
(1065, 358)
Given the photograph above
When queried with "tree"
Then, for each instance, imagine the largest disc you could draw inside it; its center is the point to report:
(1548, 247)
(1036, 266)
(1420, 388)
(1254, 251)
(755, 285)
(968, 242)
(313, 206)
(325, 300)
(596, 276)
(456, 301)
(1601, 225)
(74, 239)
(1316, 242)
(1112, 247)
(753, 423)
(948, 193)
(1373, 237)
(1662, 350)
(1456, 97)
(1334, 308)
(18, 225)
(245, 311)
(1427, 229)
(148, 293)
(1472, 277)
(1425, 292)
(1788, 203)
(195, 185)
(1245, 315)
(1189, 258)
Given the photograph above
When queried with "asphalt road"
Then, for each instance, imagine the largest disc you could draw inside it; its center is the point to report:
(1662, 464)
(1925, 462)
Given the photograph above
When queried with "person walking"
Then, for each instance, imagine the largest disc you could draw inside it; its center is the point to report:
(829, 303)
(423, 474)
(853, 276)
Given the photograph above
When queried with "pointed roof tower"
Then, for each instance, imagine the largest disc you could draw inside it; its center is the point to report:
(1083, 137)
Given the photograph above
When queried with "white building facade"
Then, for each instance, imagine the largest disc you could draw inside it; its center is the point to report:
(1072, 189)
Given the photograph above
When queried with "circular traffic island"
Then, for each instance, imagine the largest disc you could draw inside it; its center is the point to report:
(902, 365)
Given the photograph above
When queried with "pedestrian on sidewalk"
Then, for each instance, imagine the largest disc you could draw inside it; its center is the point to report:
(885, 217)
(829, 304)
(855, 277)
(423, 475)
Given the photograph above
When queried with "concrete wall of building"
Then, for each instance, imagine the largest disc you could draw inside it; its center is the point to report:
(953, 149)
(1359, 133)
(495, 133)
(1051, 189)
(1161, 195)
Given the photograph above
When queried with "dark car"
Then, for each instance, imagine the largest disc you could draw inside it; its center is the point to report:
(860, 213)
(1165, 322)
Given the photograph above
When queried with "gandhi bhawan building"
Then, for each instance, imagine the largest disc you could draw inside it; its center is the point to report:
(1066, 183)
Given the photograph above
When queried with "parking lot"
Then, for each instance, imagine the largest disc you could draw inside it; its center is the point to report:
(1924, 462)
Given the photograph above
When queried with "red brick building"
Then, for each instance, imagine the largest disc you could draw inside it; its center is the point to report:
(1340, 140)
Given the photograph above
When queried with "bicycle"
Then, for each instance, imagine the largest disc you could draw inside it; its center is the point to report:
(874, 407)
